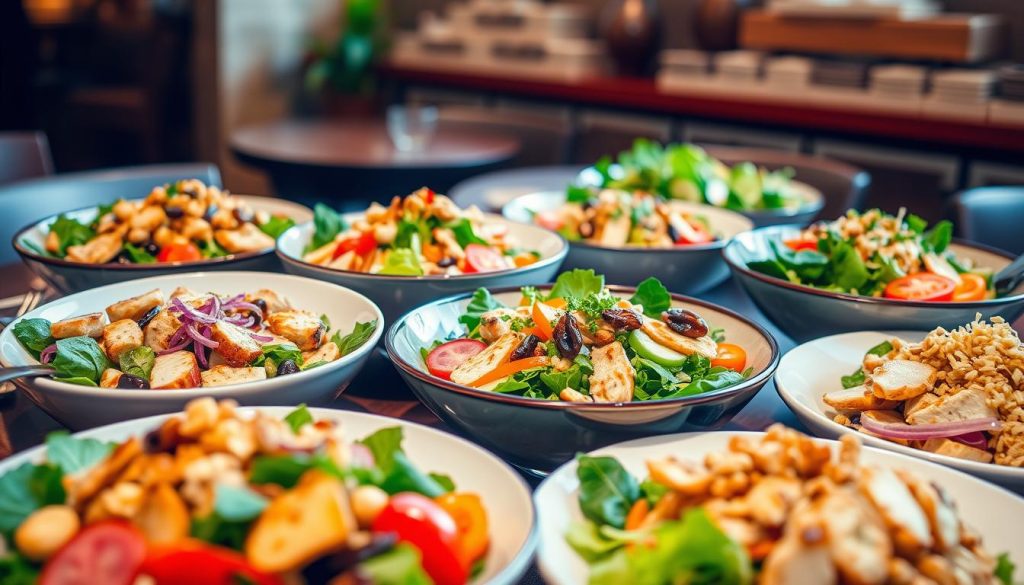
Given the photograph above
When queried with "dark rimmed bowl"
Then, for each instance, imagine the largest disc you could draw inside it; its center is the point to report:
(687, 269)
(540, 435)
(69, 277)
(397, 294)
(805, 312)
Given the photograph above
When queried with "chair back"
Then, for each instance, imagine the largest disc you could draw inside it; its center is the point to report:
(28, 201)
(992, 216)
(24, 155)
(844, 186)
(544, 140)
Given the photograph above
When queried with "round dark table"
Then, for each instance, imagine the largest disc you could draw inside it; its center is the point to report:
(351, 162)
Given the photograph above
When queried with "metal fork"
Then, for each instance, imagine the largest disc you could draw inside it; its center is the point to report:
(29, 302)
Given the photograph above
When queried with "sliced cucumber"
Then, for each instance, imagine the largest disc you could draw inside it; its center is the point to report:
(646, 347)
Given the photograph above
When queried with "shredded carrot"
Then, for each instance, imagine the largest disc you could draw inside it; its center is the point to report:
(508, 368)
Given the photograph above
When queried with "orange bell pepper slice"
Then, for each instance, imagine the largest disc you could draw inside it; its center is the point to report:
(508, 368)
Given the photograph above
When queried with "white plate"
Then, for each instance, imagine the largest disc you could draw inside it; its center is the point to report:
(81, 407)
(813, 369)
(983, 506)
(506, 497)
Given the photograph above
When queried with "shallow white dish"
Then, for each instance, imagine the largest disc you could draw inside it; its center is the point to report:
(983, 506)
(813, 369)
(398, 294)
(81, 407)
(506, 496)
(68, 276)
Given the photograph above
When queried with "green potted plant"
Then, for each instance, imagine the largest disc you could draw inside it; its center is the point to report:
(340, 74)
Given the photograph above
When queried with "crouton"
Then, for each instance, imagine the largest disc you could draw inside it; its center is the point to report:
(956, 449)
(135, 308)
(857, 398)
(99, 250)
(495, 354)
(158, 332)
(613, 377)
(90, 325)
(328, 352)
(175, 370)
(902, 379)
(246, 238)
(224, 375)
(121, 336)
(235, 344)
(302, 328)
(110, 377)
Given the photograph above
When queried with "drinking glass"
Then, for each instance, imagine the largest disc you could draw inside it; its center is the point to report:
(411, 127)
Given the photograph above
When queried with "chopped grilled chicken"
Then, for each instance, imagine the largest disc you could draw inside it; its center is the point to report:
(224, 375)
(615, 232)
(794, 562)
(121, 336)
(900, 511)
(902, 379)
(160, 329)
(110, 377)
(99, 250)
(235, 344)
(494, 324)
(857, 537)
(570, 395)
(497, 353)
(857, 398)
(302, 328)
(684, 476)
(135, 308)
(246, 238)
(941, 512)
(328, 352)
(175, 370)
(184, 293)
(273, 300)
(663, 335)
(917, 403)
(90, 325)
(772, 498)
(969, 403)
(613, 378)
(957, 449)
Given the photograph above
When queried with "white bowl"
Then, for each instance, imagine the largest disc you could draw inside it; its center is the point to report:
(80, 407)
(813, 369)
(506, 497)
(68, 276)
(683, 269)
(983, 506)
(398, 294)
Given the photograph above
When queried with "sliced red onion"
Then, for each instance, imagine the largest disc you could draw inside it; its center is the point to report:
(262, 338)
(179, 335)
(977, 439)
(244, 307)
(362, 456)
(174, 348)
(46, 356)
(925, 432)
(201, 356)
(228, 303)
(191, 313)
(200, 338)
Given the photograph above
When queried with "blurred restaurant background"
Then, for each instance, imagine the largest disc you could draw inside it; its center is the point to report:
(289, 97)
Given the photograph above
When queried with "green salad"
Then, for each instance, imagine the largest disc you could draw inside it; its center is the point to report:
(687, 172)
(579, 342)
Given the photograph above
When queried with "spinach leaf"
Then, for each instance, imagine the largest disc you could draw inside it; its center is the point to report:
(445, 481)
(807, 264)
(402, 262)
(25, 489)
(384, 444)
(511, 385)
(361, 333)
(588, 541)
(285, 470)
(402, 565)
(464, 234)
(299, 418)
(70, 232)
(577, 194)
(771, 267)
(916, 223)
(853, 380)
(220, 531)
(277, 225)
(407, 229)
(652, 491)
(237, 503)
(72, 454)
(34, 335)
(849, 272)
(280, 352)
(211, 249)
(327, 224)
(716, 379)
(480, 303)
(79, 358)
(1004, 569)
(607, 490)
(138, 361)
(654, 297)
(938, 238)
(577, 283)
(138, 255)
(406, 477)
(881, 349)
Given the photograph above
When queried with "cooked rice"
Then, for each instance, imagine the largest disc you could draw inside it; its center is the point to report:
(985, 355)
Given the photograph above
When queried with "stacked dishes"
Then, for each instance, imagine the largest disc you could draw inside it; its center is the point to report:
(963, 86)
(788, 72)
(1011, 83)
(898, 82)
(739, 66)
(845, 74)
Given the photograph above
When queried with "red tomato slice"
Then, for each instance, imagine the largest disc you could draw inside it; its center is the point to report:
(362, 245)
(108, 552)
(692, 232)
(549, 220)
(197, 563)
(798, 244)
(480, 258)
(179, 253)
(923, 286)
(443, 359)
(418, 520)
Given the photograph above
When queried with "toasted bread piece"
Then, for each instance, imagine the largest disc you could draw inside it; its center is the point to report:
(495, 354)
(175, 370)
(90, 325)
(662, 334)
(902, 379)
(613, 378)
(224, 375)
(857, 398)
(136, 307)
(121, 336)
(235, 344)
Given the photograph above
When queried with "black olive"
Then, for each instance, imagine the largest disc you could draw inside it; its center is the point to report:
(526, 348)
(243, 214)
(130, 382)
(261, 304)
(446, 262)
(123, 257)
(211, 209)
(567, 336)
(148, 317)
(287, 367)
(152, 249)
(685, 322)
(329, 566)
(174, 212)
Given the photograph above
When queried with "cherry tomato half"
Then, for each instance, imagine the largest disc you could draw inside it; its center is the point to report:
(730, 356)
(692, 232)
(108, 552)
(972, 287)
(443, 359)
(923, 286)
(416, 519)
(471, 521)
(179, 253)
(362, 245)
(798, 244)
(480, 258)
(197, 563)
